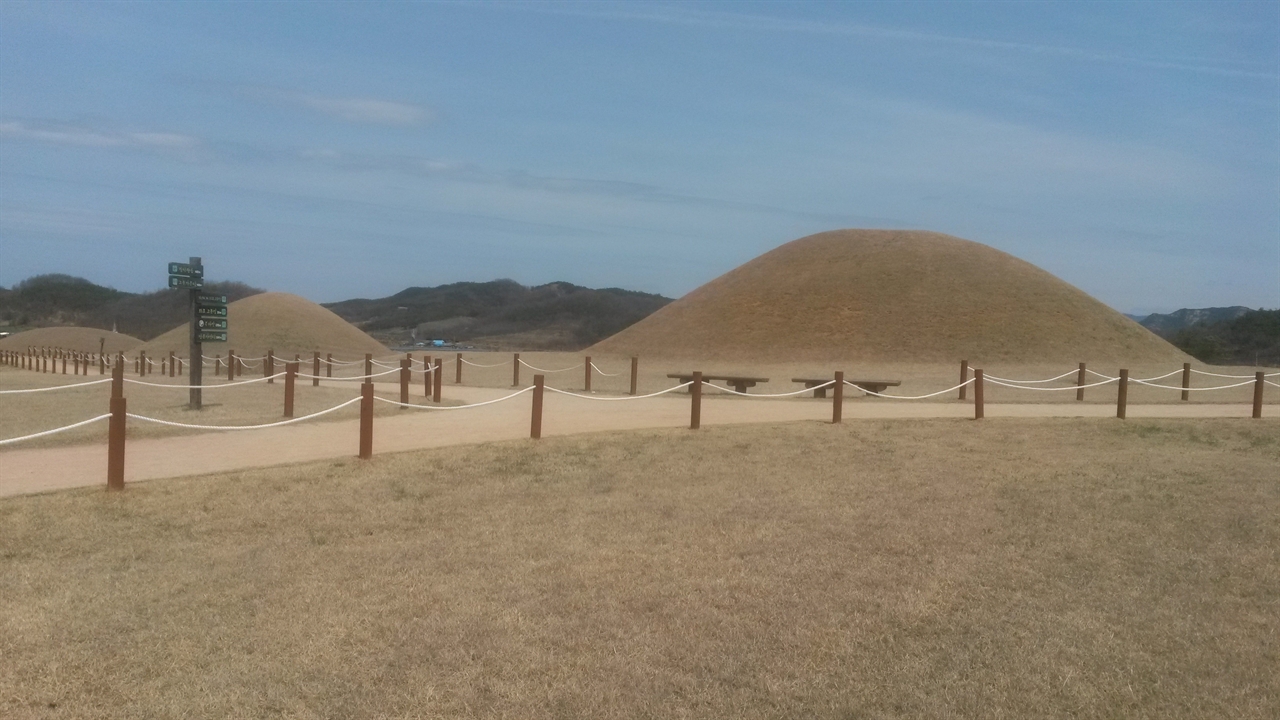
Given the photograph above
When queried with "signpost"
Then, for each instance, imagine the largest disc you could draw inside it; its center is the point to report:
(208, 318)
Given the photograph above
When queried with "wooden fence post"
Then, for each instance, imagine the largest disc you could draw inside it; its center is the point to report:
(979, 411)
(172, 371)
(535, 424)
(695, 403)
(315, 368)
(102, 364)
(635, 372)
(837, 398)
(269, 366)
(232, 365)
(427, 376)
(64, 362)
(142, 363)
(964, 375)
(457, 371)
(328, 365)
(515, 370)
(76, 361)
(217, 364)
(368, 367)
(437, 380)
(1122, 394)
(404, 382)
(116, 429)
(290, 377)
(1080, 383)
(587, 369)
(1258, 379)
(366, 420)
(1186, 381)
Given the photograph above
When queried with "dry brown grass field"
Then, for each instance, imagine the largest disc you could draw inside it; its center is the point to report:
(277, 321)
(890, 295)
(78, 339)
(908, 569)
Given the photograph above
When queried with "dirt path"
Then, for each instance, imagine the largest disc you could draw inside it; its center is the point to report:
(41, 470)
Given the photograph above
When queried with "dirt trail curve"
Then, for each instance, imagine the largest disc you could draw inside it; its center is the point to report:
(40, 470)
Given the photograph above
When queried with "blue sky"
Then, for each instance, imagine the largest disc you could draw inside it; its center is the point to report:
(340, 150)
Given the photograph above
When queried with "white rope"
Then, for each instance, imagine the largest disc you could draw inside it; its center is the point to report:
(243, 427)
(1233, 377)
(1171, 387)
(55, 387)
(1271, 383)
(340, 362)
(1056, 389)
(1091, 372)
(1031, 382)
(349, 379)
(375, 362)
(55, 430)
(597, 369)
(522, 362)
(202, 387)
(453, 407)
(628, 397)
(1158, 377)
(769, 395)
(468, 362)
(917, 397)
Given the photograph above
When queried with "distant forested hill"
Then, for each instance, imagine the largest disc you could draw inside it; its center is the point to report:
(51, 300)
(501, 314)
(1222, 336)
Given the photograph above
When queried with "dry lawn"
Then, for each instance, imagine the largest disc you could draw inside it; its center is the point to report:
(906, 569)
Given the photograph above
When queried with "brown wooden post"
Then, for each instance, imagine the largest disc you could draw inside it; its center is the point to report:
(1080, 383)
(75, 360)
(102, 364)
(837, 398)
(457, 370)
(116, 429)
(269, 366)
(290, 378)
(1186, 381)
(535, 424)
(366, 420)
(695, 403)
(315, 369)
(437, 380)
(964, 375)
(979, 411)
(232, 365)
(328, 365)
(404, 381)
(1122, 395)
(515, 370)
(217, 364)
(368, 367)
(1258, 379)
(64, 362)
(587, 368)
(180, 366)
(635, 372)
(142, 363)
(172, 370)
(427, 376)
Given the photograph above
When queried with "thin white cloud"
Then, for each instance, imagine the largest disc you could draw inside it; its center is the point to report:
(370, 111)
(83, 136)
(767, 23)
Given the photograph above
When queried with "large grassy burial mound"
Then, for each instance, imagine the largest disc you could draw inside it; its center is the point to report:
(889, 296)
(281, 322)
(80, 339)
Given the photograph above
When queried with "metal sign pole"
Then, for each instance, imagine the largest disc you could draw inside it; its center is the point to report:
(197, 359)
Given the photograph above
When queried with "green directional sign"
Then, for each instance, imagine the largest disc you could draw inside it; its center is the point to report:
(219, 311)
(204, 299)
(211, 324)
(177, 281)
(204, 336)
(186, 270)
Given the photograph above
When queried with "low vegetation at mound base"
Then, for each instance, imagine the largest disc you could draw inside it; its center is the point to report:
(501, 314)
(886, 569)
(1250, 337)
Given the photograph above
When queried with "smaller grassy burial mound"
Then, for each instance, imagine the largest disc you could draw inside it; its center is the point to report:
(890, 296)
(285, 323)
(79, 339)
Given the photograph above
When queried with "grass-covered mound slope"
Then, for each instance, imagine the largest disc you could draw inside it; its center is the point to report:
(898, 569)
(285, 323)
(890, 295)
